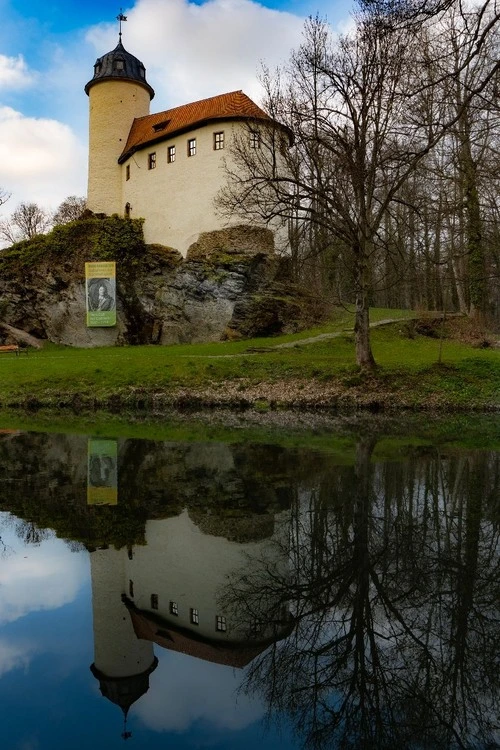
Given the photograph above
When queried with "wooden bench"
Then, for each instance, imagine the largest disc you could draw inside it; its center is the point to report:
(12, 348)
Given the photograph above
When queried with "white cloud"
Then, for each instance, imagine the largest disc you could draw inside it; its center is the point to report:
(14, 656)
(182, 694)
(41, 160)
(194, 51)
(38, 578)
(14, 73)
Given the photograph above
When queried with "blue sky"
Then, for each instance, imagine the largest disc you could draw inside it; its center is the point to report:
(190, 50)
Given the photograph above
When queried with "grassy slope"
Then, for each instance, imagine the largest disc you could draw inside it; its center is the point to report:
(408, 374)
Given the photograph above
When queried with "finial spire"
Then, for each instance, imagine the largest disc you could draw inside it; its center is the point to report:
(121, 18)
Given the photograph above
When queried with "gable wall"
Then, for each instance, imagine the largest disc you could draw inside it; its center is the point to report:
(177, 200)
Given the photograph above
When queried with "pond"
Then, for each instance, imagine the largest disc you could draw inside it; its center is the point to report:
(231, 593)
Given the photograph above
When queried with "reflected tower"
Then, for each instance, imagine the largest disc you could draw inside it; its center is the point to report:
(122, 662)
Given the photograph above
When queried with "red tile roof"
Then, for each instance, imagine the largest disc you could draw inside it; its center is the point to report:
(154, 128)
(181, 640)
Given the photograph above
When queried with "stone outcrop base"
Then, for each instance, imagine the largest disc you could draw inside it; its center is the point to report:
(231, 284)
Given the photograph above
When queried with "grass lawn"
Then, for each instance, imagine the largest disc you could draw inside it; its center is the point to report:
(409, 367)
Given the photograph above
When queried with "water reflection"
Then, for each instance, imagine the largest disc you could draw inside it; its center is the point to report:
(360, 599)
(394, 587)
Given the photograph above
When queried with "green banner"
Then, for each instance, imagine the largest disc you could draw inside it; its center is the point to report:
(100, 285)
(102, 475)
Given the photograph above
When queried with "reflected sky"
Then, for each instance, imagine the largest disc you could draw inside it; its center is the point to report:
(48, 695)
(362, 595)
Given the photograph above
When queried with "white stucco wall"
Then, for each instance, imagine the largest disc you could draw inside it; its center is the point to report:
(113, 105)
(117, 650)
(177, 200)
(184, 565)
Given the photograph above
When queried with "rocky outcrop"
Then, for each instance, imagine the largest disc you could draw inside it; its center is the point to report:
(230, 284)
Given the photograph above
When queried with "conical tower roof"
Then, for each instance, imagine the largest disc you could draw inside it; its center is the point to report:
(119, 65)
(124, 691)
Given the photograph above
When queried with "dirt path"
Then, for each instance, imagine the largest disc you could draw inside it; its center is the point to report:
(333, 335)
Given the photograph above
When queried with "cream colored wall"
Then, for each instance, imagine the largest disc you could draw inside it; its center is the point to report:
(113, 105)
(117, 650)
(177, 200)
(182, 564)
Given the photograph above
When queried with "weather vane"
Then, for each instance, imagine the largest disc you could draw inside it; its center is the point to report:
(121, 18)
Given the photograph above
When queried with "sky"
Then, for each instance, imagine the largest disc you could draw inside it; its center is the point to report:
(191, 50)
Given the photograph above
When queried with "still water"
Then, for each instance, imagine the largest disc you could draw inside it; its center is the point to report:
(234, 595)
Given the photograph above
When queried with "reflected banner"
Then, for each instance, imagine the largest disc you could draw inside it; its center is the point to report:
(100, 288)
(102, 474)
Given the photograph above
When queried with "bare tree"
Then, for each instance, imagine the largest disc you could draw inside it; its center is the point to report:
(4, 196)
(70, 209)
(364, 116)
(27, 221)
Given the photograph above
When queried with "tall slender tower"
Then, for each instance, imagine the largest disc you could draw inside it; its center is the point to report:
(117, 93)
(122, 662)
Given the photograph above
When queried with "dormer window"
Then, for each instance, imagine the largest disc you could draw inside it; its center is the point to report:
(160, 125)
(119, 65)
(142, 71)
(97, 68)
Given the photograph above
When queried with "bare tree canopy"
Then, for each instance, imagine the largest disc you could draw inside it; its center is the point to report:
(366, 111)
(27, 221)
(4, 196)
(70, 209)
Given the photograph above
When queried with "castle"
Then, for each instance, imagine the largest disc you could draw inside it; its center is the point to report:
(166, 168)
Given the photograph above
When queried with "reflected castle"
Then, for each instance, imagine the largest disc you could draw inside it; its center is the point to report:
(168, 592)
(361, 594)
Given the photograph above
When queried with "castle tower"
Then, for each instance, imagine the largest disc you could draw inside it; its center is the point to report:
(122, 662)
(117, 93)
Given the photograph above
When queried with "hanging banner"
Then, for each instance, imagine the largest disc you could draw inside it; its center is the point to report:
(102, 475)
(100, 285)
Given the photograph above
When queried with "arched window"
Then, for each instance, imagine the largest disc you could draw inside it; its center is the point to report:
(128, 209)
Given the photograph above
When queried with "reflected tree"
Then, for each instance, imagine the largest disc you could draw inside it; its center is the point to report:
(390, 575)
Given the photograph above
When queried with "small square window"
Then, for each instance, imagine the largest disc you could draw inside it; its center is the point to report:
(171, 154)
(194, 616)
(192, 147)
(254, 139)
(127, 172)
(218, 141)
(119, 65)
(174, 610)
(154, 601)
(220, 624)
(256, 628)
(152, 160)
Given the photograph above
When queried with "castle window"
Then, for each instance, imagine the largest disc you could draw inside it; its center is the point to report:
(97, 68)
(254, 139)
(174, 610)
(128, 209)
(256, 628)
(218, 141)
(160, 125)
(171, 154)
(142, 71)
(192, 147)
(220, 624)
(127, 172)
(194, 616)
(152, 160)
(131, 589)
(119, 65)
(154, 601)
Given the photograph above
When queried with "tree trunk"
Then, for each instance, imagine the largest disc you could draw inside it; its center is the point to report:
(364, 356)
